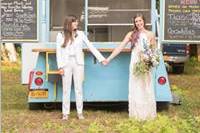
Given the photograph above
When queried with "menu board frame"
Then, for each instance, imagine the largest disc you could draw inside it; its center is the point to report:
(163, 7)
(25, 39)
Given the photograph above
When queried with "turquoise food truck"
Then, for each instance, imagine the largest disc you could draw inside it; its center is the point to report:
(106, 23)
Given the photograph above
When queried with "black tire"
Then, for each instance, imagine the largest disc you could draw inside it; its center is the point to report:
(178, 69)
(49, 106)
(35, 106)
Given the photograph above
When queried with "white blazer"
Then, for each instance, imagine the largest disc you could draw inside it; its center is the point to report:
(62, 54)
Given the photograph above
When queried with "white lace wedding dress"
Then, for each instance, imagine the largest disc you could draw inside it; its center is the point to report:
(142, 104)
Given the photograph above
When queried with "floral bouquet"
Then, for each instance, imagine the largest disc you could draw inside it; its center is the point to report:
(148, 58)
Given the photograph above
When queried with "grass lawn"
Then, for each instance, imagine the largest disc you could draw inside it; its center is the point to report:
(17, 118)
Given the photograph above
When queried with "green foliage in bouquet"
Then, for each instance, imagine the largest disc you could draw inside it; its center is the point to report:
(148, 59)
(140, 68)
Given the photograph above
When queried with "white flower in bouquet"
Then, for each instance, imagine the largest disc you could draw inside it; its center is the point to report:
(156, 58)
(149, 58)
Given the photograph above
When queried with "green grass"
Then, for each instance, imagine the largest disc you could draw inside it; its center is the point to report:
(17, 118)
(192, 66)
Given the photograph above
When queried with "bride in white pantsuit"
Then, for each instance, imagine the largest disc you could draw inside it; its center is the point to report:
(142, 104)
(70, 61)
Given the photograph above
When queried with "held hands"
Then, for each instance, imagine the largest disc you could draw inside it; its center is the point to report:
(105, 62)
(61, 71)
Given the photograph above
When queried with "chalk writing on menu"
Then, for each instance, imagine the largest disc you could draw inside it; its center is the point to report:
(19, 20)
(182, 20)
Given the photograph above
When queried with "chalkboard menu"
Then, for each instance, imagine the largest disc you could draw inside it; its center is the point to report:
(19, 20)
(182, 20)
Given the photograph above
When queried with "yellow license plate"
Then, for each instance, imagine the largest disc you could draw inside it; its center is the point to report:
(38, 93)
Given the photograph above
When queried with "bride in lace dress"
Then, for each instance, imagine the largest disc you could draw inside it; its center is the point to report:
(142, 104)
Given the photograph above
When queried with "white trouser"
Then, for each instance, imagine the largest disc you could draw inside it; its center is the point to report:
(72, 68)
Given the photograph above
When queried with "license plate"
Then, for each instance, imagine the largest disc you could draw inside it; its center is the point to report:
(38, 93)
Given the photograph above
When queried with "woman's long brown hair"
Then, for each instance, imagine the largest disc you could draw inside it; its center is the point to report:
(67, 29)
(135, 34)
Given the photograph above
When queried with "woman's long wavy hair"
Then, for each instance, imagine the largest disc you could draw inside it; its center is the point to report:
(67, 29)
(135, 34)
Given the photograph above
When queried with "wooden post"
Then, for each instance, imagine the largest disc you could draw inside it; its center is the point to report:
(11, 52)
(4, 56)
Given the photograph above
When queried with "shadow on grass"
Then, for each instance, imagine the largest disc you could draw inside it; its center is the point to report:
(95, 106)
(107, 106)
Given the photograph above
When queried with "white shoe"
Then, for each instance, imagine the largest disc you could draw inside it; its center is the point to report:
(65, 117)
(80, 117)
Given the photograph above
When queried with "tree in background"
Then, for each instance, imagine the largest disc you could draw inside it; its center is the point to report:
(8, 52)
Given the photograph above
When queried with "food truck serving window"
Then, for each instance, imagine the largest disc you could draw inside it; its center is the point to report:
(116, 11)
(108, 20)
